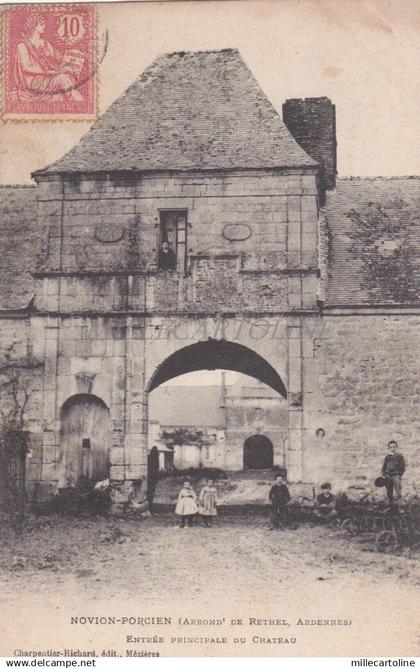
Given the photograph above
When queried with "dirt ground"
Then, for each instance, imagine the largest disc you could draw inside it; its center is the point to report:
(64, 567)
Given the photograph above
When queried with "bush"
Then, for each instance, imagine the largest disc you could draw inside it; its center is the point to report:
(81, 499)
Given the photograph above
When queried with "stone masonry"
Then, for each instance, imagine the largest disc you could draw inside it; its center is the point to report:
(276, 284)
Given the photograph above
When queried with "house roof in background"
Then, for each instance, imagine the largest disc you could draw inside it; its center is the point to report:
(372, 252)
(18, 243)
(187, 406)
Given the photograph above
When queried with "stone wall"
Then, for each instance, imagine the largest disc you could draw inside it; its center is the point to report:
(197, 447)
(358, 375)
(104, 320)
(21, 385)
(362, 387)
(248, 417)
(252, 242)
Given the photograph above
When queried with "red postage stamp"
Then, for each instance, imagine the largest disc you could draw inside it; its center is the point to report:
(49, 62)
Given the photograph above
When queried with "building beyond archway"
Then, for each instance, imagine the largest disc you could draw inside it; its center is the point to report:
(227, 355)
(258, 452)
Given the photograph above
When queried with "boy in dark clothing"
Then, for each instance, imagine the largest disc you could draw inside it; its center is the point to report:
(325, 502)
(279, 497)
(392, 470)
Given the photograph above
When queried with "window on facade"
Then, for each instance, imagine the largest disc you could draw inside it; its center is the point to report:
(86, 443)
(172, 240)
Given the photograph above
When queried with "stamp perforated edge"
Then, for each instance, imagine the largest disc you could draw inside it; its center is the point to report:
(49, 118)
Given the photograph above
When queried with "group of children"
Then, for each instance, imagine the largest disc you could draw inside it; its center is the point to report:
(325, 506)
(188, 506)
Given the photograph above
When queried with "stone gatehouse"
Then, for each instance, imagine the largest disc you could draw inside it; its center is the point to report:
(305, 282)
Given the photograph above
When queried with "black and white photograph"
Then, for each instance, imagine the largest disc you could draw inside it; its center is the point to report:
(210, 329)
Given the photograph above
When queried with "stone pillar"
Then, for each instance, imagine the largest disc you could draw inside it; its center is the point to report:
(295, 402)
(50, 423)
(129, 458)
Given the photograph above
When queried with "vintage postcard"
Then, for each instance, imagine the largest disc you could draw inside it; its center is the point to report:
(210, 329)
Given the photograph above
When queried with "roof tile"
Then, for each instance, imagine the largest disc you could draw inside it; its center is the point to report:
(372, 254)
(197, 110)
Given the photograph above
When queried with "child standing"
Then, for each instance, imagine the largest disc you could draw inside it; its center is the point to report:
(392, 470)
(208, 503)
(279, 497)
(186, 506)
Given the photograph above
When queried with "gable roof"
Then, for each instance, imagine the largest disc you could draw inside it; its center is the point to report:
(18, 242)
(371, 242)
(196, 110)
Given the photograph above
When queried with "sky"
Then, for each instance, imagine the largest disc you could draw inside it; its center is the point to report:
(363, 54)
(201, 378)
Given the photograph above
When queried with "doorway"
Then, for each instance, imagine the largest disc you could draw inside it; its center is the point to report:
(85, 439)
(258, 453)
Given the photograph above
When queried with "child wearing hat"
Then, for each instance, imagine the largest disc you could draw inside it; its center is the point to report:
(325, 503)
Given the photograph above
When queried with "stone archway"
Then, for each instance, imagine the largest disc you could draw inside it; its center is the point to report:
(85, 439)
(217, 354)
(258, 453)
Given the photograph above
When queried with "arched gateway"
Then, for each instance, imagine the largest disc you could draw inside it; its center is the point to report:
(221, 354)
(103, 313)
(241, 219)
(217, 354)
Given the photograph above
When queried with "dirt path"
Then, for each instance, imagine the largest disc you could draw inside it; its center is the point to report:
(72, 567)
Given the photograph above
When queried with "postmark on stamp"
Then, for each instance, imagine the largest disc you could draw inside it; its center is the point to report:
(49, 62)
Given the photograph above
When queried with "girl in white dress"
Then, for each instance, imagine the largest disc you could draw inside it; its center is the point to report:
(186, 506)
(208, 503)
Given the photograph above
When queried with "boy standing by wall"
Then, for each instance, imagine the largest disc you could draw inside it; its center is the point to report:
(392, 470)
(279, 497)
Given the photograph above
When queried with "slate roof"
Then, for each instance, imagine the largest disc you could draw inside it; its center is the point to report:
(196, 110)
(371, 242)
(18, 243)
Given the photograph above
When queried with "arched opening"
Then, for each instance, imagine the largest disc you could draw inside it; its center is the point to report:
(85, 439)
(200, 421)
(217, 354)
(258, 453)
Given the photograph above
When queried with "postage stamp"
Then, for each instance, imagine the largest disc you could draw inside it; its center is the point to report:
(49, 62)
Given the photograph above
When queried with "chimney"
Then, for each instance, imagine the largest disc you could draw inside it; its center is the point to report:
(311, 121)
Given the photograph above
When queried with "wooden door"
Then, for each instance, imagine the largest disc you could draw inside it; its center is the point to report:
(85, 439)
